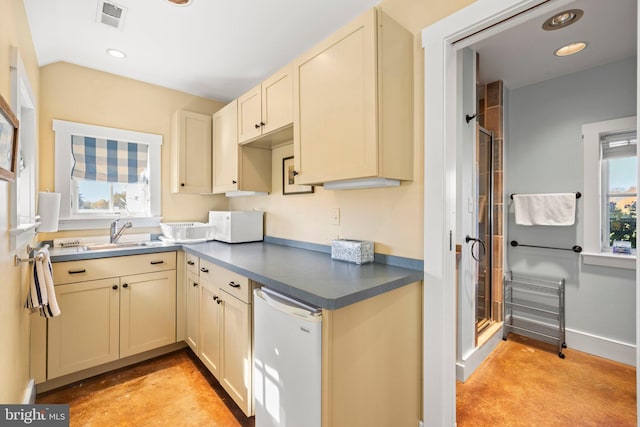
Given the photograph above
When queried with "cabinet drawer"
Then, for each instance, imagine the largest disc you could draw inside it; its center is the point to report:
(233, 283)
(102, 268)
(193, 263)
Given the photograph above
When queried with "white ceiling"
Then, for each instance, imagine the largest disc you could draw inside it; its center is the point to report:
(523, 55)
(219, 49)
(215, 49)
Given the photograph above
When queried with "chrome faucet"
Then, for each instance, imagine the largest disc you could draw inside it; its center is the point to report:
(115, 234)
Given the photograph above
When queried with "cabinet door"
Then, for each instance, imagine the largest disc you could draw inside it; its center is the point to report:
(225, 148)
(236, 356)
(147, 312)
(250, 115)
(192, 153)
(193, 319)
(277, 101)
(86, 333)
(335, 108)
(209, 342)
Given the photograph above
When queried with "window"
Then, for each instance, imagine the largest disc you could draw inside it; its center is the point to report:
(619, 165)
(103, 173)
(23, 190)
(610, 192)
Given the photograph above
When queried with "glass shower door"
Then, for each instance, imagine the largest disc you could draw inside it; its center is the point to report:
(484, 230)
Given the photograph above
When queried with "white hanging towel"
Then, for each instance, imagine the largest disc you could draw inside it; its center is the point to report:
(42, 295)
(545, 209)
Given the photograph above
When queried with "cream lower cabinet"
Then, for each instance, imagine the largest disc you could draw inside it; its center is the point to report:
(225, 341)
(193, 310)
(107, 318)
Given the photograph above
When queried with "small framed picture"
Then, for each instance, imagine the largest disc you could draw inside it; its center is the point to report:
(8, 142)
(288, 179)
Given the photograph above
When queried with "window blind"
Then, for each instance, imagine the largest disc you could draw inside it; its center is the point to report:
(108, 160)
(619, 145)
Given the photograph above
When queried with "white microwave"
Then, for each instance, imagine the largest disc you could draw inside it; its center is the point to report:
(237, 226)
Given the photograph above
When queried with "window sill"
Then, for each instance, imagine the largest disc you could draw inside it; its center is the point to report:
(610, 260)
(104, 222)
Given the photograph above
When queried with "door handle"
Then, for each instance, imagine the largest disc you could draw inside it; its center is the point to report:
(475, 241)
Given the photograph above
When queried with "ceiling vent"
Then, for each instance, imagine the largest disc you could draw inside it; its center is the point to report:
(111, 14)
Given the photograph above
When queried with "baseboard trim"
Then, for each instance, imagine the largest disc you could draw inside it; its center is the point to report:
(602, 347)
(29, 397)
(464, 368)
(97, 370)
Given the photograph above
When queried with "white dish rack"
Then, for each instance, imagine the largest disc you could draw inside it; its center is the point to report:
(182, 232)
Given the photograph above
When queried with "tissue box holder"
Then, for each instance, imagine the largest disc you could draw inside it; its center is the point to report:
(354, 251)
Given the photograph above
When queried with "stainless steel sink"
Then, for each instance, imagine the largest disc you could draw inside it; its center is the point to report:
(108, 246)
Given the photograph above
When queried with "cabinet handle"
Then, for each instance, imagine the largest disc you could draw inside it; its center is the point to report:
(77, 271)
(182, 184)
(219, 301)
(295, 173)
(204, 270)
(191, 263)
(157, 262)
(114, 287)
(195, 285)
(257, 126)
(234, 284)
(215, 298)
(262, 123)
(126, 285)
(234, 182)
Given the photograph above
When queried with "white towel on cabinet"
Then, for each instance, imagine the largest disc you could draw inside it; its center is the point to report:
(545, 209)
(42, 294)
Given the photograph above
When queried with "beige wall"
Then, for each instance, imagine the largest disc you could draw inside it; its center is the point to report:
(14, 320)
(391, 217)
(79, 94)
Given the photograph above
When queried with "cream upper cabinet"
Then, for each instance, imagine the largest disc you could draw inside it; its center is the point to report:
(191, 153)
(267, 107)
(237, 168)
(353, 104)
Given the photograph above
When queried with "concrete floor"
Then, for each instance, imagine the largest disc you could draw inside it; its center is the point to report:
(172, 390)
(524, 383)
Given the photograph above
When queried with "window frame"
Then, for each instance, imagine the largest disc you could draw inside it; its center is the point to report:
(64, 162)
(593, 203)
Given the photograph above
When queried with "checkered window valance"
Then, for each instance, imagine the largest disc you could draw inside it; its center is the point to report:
(101, 159)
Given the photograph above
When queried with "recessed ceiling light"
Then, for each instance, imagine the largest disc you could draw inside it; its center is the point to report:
(180, 2)
(562, 19)
(116, 53)
(570, 49)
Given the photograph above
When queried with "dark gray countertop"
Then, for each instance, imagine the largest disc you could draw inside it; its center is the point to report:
(307, 275)
(310, 276)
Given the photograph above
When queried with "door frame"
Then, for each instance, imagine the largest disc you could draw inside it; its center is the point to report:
(441, 43)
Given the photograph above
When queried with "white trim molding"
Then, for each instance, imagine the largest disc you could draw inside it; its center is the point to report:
(63, 158)
(602, 347)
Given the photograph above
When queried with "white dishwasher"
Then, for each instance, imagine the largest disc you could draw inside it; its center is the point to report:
(287, 361)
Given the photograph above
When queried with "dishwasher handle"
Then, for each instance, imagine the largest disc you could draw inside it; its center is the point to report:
(287, 305)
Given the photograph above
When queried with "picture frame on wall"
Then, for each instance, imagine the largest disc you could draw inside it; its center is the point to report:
(8, 142)
(288, 179)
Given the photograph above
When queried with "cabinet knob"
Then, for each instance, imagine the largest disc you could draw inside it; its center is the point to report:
(295, 173)
(262, 123)
(190, 263)
(195, 285)
(114, 287)
(257, 126)
(204, 270)
(125, 285)
(234, 284)
(215, 298)
(234, 182)
(219, 301)
(182, 184)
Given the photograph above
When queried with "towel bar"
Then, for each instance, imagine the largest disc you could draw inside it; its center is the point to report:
(578, 195)
(17, 260)
(576, 249)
